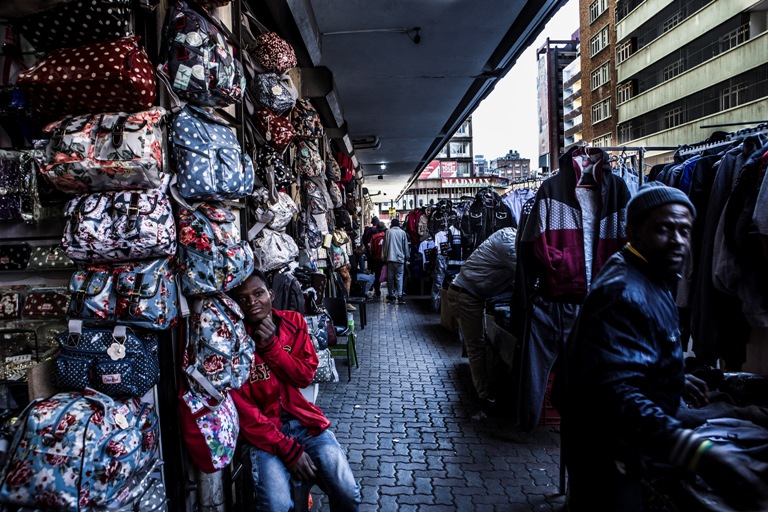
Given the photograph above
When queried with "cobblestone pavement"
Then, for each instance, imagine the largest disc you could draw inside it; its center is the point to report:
(406, 419)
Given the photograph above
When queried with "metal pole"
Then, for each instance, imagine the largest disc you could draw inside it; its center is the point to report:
(210, 492)
(641, 171)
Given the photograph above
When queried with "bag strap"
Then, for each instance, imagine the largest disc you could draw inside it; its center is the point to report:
(176, 103)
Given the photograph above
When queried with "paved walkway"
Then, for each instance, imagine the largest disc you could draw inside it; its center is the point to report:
(406, 420)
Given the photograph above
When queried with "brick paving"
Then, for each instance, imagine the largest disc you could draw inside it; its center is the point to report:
(406, 419)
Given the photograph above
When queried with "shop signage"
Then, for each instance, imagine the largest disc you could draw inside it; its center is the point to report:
(474, 182)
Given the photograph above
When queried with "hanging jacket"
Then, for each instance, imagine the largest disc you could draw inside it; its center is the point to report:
(486, 215)
(552, 244)
(288, 293)
(278, 373)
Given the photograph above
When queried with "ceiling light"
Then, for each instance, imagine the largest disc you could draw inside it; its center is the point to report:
(383, 167)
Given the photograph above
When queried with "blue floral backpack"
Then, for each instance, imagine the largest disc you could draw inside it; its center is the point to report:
(79, 451)
(212, 256)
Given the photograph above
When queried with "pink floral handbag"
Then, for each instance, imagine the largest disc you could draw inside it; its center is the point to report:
(274, 54)
(276, 130)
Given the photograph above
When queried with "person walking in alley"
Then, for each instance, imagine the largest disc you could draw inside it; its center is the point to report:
(395, 254)
(285, 434)
(376, 250)
(622, 379)
(489, 271)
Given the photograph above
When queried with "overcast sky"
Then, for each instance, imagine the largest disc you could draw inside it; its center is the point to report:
(508, 118)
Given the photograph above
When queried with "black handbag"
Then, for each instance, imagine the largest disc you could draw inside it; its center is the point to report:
(14, 256)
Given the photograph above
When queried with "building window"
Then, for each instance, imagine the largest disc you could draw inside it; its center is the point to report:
(733, 96)
(459, 149)
(462, 168)
(674, 21)
(672, 70)
(599, 41)
(463, 130)
(602, 141)
(597, 8)
(601, 75)
(623, 52)
(601, 110)
(443, 152)
(625, 132)
(623, 92)
(734, 37)
(673, 117)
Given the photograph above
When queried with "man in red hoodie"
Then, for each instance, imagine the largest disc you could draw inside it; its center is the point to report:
(287, 435)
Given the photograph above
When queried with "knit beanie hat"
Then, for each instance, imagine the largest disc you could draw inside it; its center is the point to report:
(652, 195)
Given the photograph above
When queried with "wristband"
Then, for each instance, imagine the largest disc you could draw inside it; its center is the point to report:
(701, 450)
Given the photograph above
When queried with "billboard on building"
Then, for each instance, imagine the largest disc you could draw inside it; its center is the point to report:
(431, 171)
(448, 168)
(542, 89)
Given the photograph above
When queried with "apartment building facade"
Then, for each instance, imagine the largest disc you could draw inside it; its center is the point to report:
(512, 167)
(572, 104)
(681, 64)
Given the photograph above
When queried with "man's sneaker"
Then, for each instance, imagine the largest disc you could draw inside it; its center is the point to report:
(401, 300)
(350, 307)
(378, 293)
(390, 299)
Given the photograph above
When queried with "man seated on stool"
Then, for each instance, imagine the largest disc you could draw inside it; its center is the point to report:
(286, 434)
(364, 278)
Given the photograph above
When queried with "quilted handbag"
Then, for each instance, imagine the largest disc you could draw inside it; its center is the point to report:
(212, 256)
(200, 64)
(10, 185)
(219, 351)
(270, 165)
(274, 249)
(275, 92)
(111, 151)
(274, 54)
(14, 256)
(76, 23)
(119, 226)
(306, 120)
(210, 164)
(276, 130)
(210, 429)
(124, 82)
(140, 294)
(308, 159)
(49, 257)
(116, 362)
(92, 449)
(45, 304)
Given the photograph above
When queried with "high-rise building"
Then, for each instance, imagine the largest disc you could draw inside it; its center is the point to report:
(481, 166)
(572, 115)
(553, 56)
(512, 167)
(597, 28)
(683, 64)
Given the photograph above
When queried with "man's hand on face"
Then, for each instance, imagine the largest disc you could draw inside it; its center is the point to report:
(304, 468)
(265, 331)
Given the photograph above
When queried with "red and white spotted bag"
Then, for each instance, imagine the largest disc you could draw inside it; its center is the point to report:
(114, 76)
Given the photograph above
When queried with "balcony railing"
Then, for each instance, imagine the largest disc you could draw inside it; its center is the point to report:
(624, 7)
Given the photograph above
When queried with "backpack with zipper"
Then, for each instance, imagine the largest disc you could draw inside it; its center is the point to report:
(377, 245)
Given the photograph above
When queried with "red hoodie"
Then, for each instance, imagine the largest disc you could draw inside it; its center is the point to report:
(278, 373)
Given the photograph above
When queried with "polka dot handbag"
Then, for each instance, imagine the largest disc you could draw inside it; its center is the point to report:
(115, 76)
(14, 257)
(76, 23)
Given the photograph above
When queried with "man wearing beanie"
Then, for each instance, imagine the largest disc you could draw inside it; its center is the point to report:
(622, 378)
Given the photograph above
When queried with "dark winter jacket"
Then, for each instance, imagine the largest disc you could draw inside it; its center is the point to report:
(552, 244)
(621, 382)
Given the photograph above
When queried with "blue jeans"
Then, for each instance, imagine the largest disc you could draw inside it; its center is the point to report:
(395, 278)
(271, 478)
(367, 280)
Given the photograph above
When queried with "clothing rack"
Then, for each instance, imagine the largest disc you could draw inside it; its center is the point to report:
(729, 139)
(640, 155)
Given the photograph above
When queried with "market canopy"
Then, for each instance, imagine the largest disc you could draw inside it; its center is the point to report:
(394, 79)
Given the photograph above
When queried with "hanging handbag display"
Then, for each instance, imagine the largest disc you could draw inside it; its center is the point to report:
(274, 54)
(115, 76)
(309, 162)
(219, 351)
(272, 215)
(76, 23)
(116, 362)
(111, 151)
(276, 92)
(271, 166)
(14, 256)
(10, 304)
(140, 294)
(276, 130)
(45, 304)
(212, 256)
(210, 429)
(273, 249)
(39, 199)
(200, 64)
(306, 120)
(93, 449)
(119, 226)
(210, 164)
